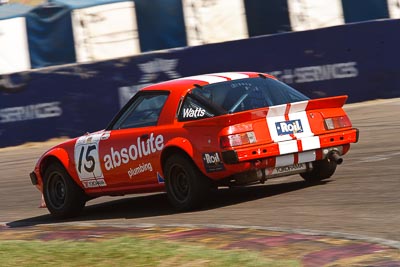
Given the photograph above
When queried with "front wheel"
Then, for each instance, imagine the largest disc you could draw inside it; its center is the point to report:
(186, 186)
(63, 197)
(322, 169)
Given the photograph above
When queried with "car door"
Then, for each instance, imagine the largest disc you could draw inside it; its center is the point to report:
(130, 153)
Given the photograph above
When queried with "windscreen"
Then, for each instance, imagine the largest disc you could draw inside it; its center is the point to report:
(250, 93)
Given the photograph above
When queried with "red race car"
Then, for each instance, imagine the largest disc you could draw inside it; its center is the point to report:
(187, 135)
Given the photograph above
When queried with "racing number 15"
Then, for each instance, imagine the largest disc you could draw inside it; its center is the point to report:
(86, 155)
(88, 159)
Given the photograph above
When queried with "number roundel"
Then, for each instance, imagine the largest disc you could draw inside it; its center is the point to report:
(88, 162)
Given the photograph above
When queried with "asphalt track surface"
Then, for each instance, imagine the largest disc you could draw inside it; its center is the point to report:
(361, 201)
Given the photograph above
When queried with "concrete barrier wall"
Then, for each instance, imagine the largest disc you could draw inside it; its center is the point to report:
(360, 60)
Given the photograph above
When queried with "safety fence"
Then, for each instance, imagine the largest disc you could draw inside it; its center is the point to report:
(60, 32)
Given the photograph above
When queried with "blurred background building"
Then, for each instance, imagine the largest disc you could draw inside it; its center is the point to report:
(35, 33)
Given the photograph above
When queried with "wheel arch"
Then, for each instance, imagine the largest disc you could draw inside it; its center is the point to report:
(64, 198)
(177, 145)
(57, 155)
(185, 184)
(170, 151)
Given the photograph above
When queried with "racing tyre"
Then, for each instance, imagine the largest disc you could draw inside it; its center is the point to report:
(63, 197)
(186, 186)
(322, 169)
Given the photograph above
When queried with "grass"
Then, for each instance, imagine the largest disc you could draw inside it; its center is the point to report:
(126, 252)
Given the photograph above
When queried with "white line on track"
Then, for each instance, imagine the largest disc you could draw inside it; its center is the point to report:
(379, 157)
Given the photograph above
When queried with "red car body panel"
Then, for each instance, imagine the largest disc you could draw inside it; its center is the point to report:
(117, 162)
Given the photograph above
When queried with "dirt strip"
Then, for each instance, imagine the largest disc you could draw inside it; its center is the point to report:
(308, 249)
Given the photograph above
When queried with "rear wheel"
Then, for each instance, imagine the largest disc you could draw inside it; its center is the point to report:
(186, 185)
(322, 169)
(63, 197)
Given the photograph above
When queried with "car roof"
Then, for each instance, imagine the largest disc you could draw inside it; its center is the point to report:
(185, 83)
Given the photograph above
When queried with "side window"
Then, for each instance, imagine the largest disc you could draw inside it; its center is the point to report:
(193, 110)
(142, 112)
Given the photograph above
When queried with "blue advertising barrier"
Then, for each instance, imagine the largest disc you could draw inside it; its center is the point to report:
(359, 60)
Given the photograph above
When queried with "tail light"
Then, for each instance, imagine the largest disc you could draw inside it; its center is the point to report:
(238, 139)
(337, 123)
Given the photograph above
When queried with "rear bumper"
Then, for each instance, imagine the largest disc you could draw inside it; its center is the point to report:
(301, 150)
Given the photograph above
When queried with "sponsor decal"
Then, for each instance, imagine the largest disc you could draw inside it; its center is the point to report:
(290, 168)
(306, 74)
(241, 84)
(212, 162)
(87, 161)
(285, 169)
(31, 112)
(160, 179)
(289, 127)
(94, 183)
(144, 167)
(193, 113)
(154, 68)
(127, 92)
(13, 83)
(137, 150)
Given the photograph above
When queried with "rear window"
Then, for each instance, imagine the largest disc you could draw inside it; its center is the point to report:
(237, 95)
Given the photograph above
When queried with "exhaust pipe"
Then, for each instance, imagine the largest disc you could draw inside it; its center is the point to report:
(335, 156)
